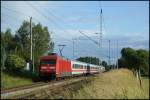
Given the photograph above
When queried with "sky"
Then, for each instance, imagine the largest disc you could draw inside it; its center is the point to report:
(125, 21)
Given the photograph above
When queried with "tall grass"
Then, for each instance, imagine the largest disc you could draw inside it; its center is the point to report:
(8, 80)
(116, 84)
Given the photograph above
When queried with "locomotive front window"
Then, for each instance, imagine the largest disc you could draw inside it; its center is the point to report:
(51, 62)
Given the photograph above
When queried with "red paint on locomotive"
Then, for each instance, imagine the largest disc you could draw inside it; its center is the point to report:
(53, 64)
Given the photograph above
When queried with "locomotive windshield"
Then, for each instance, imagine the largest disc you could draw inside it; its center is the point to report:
(51, 62)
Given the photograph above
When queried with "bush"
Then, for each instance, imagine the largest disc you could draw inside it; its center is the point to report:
(14, 62)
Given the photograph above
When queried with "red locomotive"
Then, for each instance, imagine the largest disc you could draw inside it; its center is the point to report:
(55, 66)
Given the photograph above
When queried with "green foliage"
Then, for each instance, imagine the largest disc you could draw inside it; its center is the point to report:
(136, 59)
(22, 38)
(107, 67)
(6, 46)
(143, 60)
(91, 60)
(19, 44)
(122, 63)
(3, 53)
(14, 62)
(42, 42)
(104, 63)
(130, 56)
(3, 56)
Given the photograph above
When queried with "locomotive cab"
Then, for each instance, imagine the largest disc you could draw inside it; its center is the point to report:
(48, 67)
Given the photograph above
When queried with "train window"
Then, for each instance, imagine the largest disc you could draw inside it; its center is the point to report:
(82, 66)
(74, 65)
(52, 62)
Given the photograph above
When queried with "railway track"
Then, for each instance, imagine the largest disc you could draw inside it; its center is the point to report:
(7, 90)
(32, 90)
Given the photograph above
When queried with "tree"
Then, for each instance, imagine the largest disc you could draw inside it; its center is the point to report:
(136, 59)
(92, 60)
(3, 53)
(14, 62)
(122, 63)
(42, 42)
(6, 46)
(104, 63)
(130, 56)
(143, 60)
(19, 44)
(22, 37)
(7, 40)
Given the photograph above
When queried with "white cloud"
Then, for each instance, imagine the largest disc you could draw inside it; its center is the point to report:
(22, 10)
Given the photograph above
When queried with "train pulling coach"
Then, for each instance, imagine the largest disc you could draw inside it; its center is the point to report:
(55, 66)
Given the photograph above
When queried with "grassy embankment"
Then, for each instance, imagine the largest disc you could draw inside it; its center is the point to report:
(8, 80)
(116, 84)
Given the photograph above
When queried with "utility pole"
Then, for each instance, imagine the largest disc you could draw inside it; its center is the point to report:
(100, 35)
(117, 54)
(60, 49)
(113, 54)
(73, 48)
(31, 41)
(109, 52)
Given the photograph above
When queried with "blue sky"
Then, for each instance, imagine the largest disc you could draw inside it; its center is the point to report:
(125, 21)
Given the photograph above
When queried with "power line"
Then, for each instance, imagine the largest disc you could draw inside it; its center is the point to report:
(9, 16)
(59, 18)
(80, 32)
(8, 24)
(61, 47)
(45, 16)
(56, 17)
(22, 14)
(96, 46)
(89, 38)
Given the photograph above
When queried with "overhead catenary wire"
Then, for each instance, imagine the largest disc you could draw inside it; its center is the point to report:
(8, 24)
(67, 24)
(66, 32)
(60, 19)
(12, 17)
(47, 18)
(89, 37)
(21, 13)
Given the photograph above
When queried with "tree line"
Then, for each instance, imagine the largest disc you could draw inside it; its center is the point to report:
(91, 60)
(95, 61)
(15, 48)
(136, 60)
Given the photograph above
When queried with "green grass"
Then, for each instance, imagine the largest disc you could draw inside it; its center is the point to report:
(8, 80)
(115, 84)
